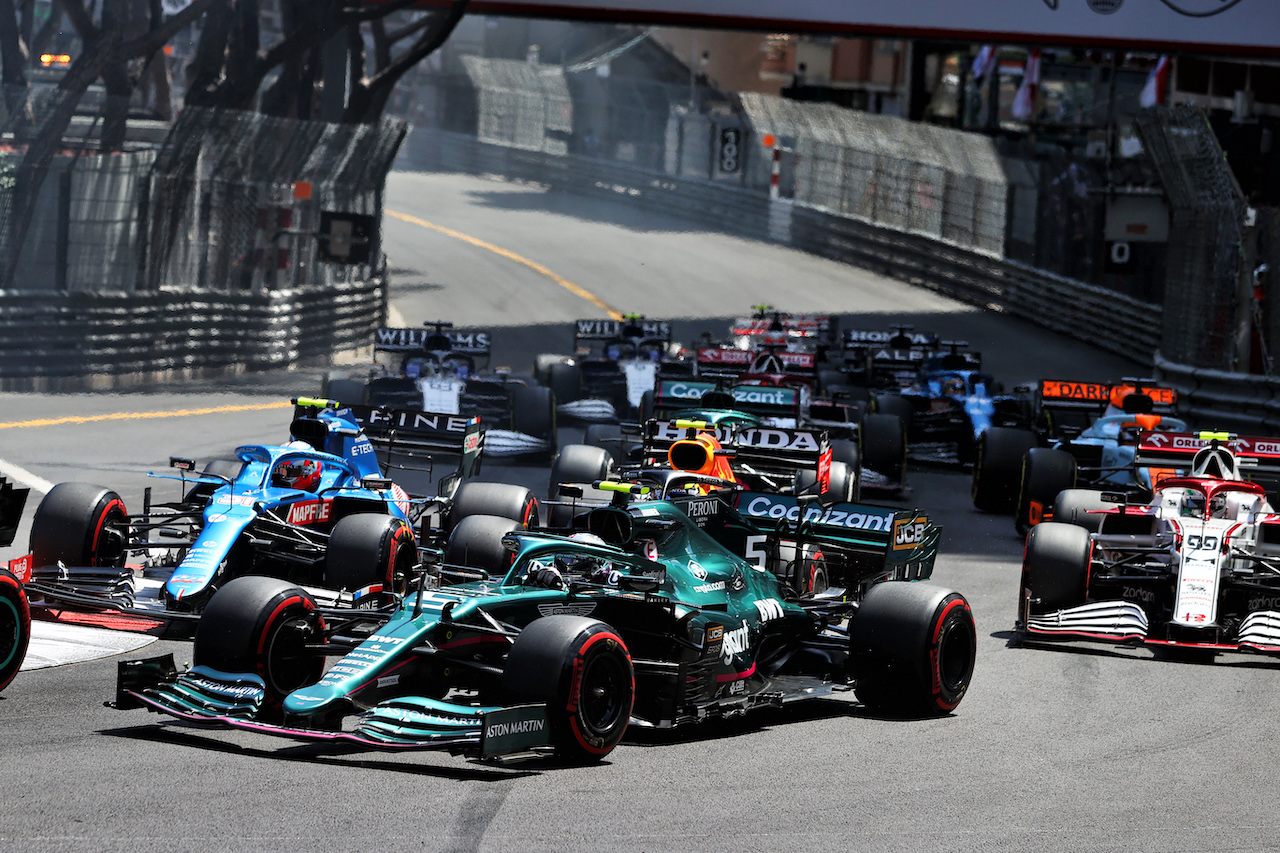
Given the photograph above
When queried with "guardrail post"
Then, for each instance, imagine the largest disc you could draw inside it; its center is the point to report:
(64, 229)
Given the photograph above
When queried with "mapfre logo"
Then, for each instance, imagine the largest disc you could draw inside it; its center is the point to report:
(908, 533)
(310, 512)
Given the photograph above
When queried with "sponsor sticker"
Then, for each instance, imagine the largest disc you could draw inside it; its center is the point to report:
(21, 568)
(851, 516)
(909, 532)
(513, 730)
(310, 512)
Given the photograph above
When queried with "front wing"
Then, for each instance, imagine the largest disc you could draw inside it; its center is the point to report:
(207, 697)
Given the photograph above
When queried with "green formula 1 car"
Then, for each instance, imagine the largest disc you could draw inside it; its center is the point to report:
(640, 618)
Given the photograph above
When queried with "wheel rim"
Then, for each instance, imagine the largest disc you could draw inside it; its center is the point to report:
(601, 697)
(955, 648)
(288, 664)
(10, 631)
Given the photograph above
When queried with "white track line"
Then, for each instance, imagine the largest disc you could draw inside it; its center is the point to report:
(25, 477)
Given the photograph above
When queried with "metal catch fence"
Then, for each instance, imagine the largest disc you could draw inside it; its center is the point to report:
(235, 198)
(1202, 292)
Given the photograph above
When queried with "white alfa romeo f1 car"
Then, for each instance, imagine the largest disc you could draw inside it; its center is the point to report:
(1198, 567)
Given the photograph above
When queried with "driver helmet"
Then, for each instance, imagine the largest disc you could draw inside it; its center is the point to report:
(953, 385)
(301, 474)
(1192, 504)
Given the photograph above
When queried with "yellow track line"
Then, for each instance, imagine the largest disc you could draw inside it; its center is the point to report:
(576, 290)
(128, 416)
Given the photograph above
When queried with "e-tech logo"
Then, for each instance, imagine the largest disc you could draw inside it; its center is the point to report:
(909, 532)
(762, 506)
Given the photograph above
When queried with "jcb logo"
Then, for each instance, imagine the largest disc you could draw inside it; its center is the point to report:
(908, 533)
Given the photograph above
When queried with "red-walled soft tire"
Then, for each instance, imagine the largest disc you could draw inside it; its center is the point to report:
(581, 669)
(81, 525)
(369, 548)
(260, 625)
(15, 627)
(912, 648)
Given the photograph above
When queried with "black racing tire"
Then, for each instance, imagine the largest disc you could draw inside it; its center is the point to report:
(912, 647)
(1055, 566)
(578, 463)
(533, 411)
(1046, 471)
(997, 468)
(646, 407)
(848, 452)
(892, 404)
(368, 549)
(477, 543)
(842, 488)
(1080, 507)
(15, 627)
(81, 525)
(260, 625)
(542, 363)
(508, 501)
(348, 392)
(581, 669)
(608, 436)
(565, 382)
(884, 446)
(828, 380)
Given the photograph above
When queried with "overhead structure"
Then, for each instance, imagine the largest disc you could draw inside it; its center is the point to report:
(1238, 27)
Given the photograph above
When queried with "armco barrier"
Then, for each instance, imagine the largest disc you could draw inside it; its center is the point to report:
(71, 341)
(1214, 399)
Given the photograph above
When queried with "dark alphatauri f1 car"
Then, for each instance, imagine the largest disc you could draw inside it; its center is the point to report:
(649, 622)
(439, 369)
(1198, 567)
(318, 511)
(614, 363)
(15, 613)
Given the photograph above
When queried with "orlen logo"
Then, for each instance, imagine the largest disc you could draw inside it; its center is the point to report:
(908, 533)
(310, 512)
(1271, 448)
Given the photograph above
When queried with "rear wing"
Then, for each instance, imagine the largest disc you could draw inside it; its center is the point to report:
(879, 339)
(765, 401)
(765, 449)
(860, 543)
(1065, 395)
(1257, 458)
(793, 325)
(433, 432)
(733, 360)
(390, 339)
(604, 330)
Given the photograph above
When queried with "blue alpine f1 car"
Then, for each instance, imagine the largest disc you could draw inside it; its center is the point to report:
(317, 511)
